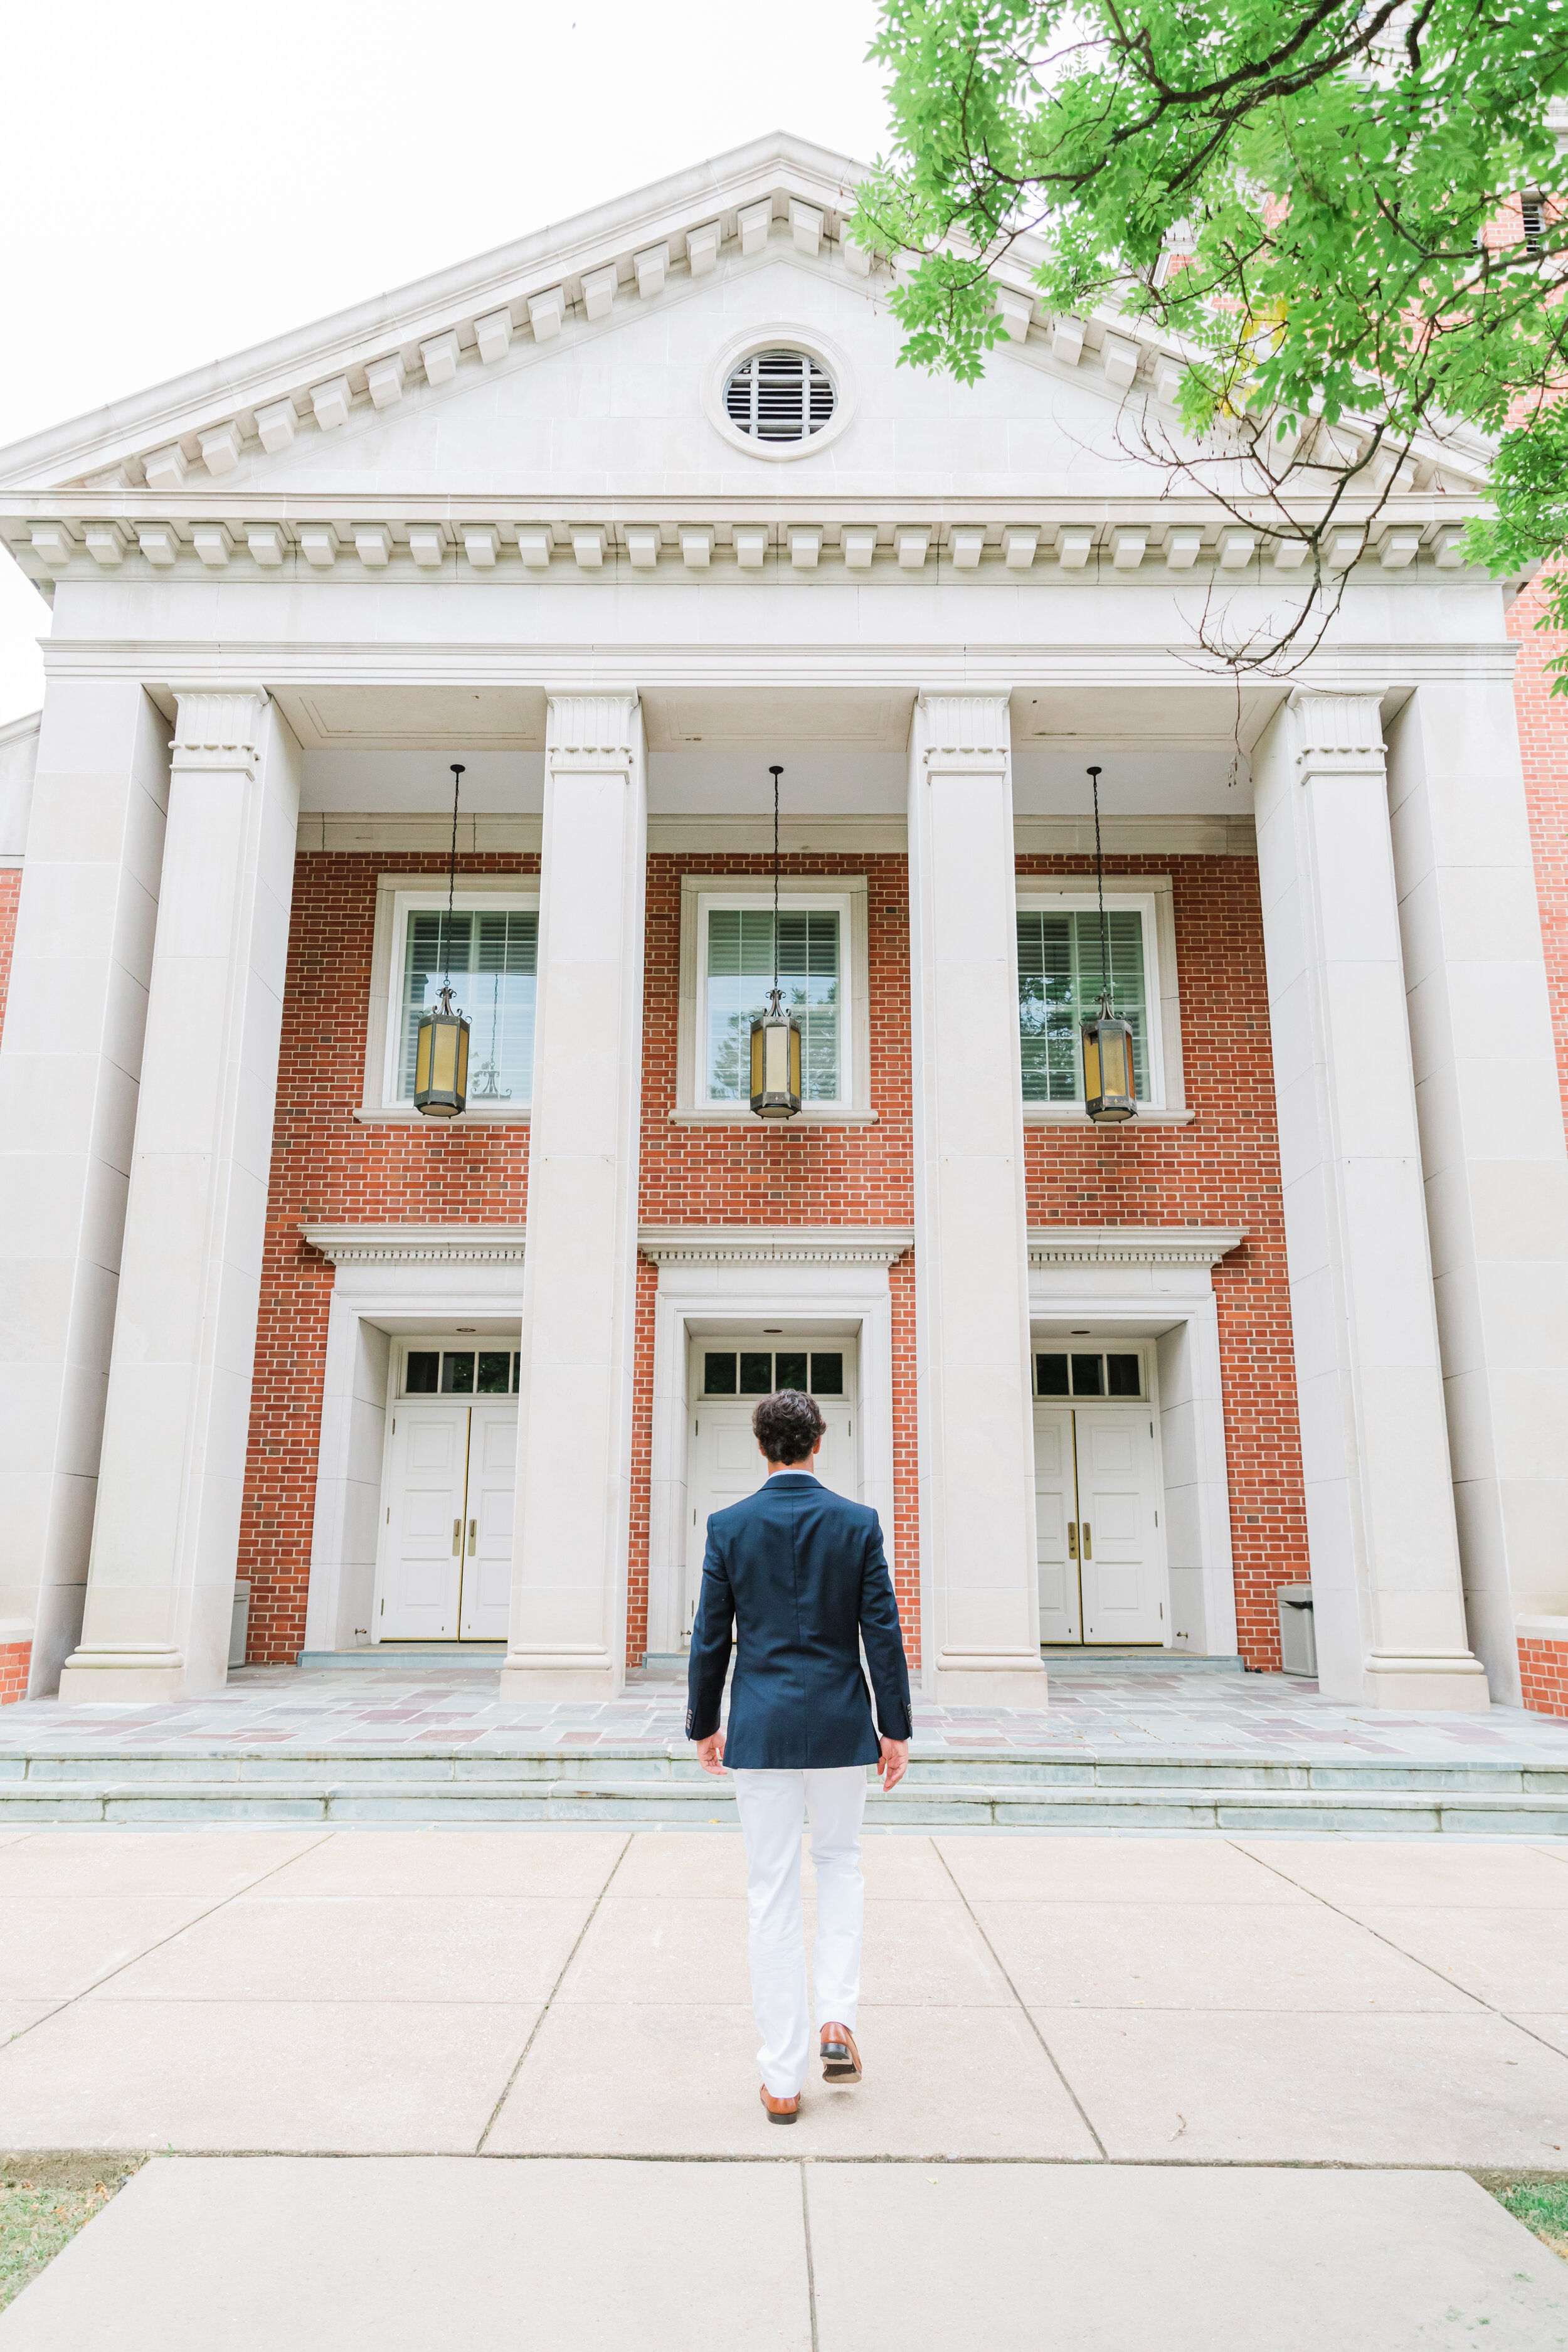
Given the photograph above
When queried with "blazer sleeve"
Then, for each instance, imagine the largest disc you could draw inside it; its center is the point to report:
(711, 1636)
(884, 1640)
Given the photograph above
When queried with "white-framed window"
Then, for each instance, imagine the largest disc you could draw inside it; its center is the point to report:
(490, 949)
(727, 971)
(1060, 977)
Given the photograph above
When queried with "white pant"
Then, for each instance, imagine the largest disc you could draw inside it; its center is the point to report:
(773, 1807)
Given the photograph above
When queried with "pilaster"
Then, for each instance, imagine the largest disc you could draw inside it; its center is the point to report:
(978, 1565)
(166, 1529)
(1380, 1513)
(572, 1528)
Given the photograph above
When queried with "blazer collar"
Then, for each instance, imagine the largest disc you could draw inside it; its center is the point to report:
(808, 1476)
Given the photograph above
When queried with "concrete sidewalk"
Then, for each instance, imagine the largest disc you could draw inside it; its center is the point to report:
(252, 2254)
(1086, 2059)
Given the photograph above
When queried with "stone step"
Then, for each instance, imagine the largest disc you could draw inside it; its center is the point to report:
(340, 1797)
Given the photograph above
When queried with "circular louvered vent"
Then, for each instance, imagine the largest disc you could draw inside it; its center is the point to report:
(779, 396)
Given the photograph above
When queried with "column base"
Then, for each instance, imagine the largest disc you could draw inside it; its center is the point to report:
(1007, 1680)
(554, 1674)
(1454, 1683)
(133, 1671)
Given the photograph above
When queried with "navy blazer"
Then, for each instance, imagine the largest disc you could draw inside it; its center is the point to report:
(801, 1574)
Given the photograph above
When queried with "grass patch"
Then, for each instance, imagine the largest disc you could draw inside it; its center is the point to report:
(44, 2200)
(1539, 2200)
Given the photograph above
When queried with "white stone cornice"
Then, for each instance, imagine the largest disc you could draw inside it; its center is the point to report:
(773, 1245)
(417, 1244)
(1132, 1245)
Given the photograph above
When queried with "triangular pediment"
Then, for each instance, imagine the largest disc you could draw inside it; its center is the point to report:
(585, 366)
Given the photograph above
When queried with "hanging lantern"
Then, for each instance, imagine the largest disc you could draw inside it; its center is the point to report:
(441, 1060)
(1108, 1080)
(775, 1033)
(775, 1061)
(441, 1053)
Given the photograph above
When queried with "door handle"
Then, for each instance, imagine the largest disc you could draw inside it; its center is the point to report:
(473, 1537)
(457, 1538)
(1086, 1552)
(1072, 1539)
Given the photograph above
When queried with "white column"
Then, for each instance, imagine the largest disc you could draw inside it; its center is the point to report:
(1493, 1148)
(1374, 1448)
(579, 1293)
(980, 1594)
(166, 1531)
(69, 1064)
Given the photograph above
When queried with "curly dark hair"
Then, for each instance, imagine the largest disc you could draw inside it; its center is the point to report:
(787, 1425)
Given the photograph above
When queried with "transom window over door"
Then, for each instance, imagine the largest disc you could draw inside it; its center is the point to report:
(1059, 983)
(493, 955)
(737, 968)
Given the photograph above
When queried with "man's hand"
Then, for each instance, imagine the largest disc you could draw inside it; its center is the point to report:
(711, 1754)
(895, 1763)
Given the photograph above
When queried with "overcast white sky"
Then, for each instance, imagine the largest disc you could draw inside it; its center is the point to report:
(179, 181)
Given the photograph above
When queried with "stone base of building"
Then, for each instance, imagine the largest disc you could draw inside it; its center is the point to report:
(1544, 1664)
(1004, 1681)
(528, 1675)
(1456, 1685)
(90, 1677)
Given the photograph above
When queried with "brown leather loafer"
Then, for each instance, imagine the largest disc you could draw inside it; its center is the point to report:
(780, 2111)
(840, 2059)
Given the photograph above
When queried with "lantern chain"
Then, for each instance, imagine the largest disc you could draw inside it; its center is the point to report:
(1106, 1007)
(451, 886)
(776, 1006)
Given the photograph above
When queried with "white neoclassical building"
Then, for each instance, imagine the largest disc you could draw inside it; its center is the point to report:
(618, 519)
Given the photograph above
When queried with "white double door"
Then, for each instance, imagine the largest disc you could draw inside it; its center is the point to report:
(1097, 1515)
(446, 1562)
(724, 1463)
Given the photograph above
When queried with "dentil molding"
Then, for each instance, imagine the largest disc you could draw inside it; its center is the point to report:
(417, 1244)
(768, 1245)
(1132, 1245)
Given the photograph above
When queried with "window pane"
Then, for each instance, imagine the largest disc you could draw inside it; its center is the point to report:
(1051, 1376)
(423, 1368)
(495, 1372)
(493, 961)
(1123, 1376)
(741, 973)
(1088, 1376)
(827, 1374)
(756, 1374)
(790, 1372)
(515, 1362)
(457, 1375)
(1059, 988)
(719, 1375)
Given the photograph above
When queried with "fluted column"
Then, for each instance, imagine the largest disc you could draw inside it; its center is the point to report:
(1389, 1607)
(171, 1479)
(575, 1387)
(978, 1570)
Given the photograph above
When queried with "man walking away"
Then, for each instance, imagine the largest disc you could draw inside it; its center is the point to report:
(801, 1576)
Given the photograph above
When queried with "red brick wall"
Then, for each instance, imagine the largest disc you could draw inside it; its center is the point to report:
(1223, 1170)
(1543, 744)
(1544, 1674)
(757, 1175)
(328, 1169)
(10, 897)
(14, 1659)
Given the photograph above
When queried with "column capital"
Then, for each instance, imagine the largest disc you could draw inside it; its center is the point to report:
(587, 730)
(962, 730)
(218, 726)
(1339, 731)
